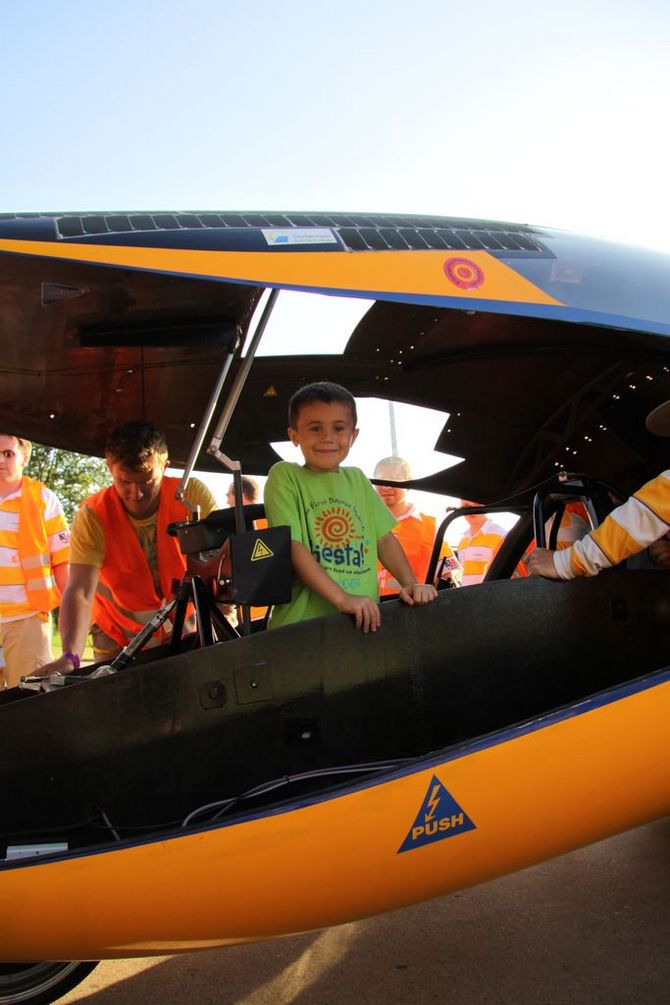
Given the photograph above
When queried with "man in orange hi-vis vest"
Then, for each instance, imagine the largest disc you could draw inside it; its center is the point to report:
(414, 530)
(123, 561)
(479, 546)
(34, 554)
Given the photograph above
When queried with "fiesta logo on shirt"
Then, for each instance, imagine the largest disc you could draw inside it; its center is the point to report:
(336, 539)
(348, 554)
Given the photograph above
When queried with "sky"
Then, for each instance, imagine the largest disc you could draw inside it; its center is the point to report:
(532, 112)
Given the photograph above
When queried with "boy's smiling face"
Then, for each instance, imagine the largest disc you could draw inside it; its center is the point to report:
(325, 434)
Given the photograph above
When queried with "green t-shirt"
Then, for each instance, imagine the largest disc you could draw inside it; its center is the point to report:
(339, 518)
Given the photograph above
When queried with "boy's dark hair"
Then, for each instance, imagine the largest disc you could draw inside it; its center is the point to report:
(136, 444)
(321, 390)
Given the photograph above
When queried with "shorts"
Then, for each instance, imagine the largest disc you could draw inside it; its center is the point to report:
(26, 646)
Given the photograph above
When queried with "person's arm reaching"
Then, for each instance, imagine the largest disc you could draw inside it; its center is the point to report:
(394, 559)
(541, 563)
(629, 529)
(75, 616)
(659, 552)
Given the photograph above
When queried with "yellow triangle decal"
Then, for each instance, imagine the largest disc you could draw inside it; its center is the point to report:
(271, 392)
(260, 551)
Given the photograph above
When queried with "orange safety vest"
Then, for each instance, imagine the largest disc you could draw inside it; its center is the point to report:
(126, 597)
(477, 552)
(33, 548)
(416, 534)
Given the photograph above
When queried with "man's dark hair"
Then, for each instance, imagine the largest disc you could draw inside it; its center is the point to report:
(136, 444)
(321, 390)
(250, 489)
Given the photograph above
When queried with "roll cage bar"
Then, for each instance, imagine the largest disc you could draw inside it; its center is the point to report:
(547, 506)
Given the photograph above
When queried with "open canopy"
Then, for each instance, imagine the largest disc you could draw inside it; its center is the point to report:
(546, 349)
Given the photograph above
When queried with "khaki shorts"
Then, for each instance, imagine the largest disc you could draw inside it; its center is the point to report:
(104, 647)
(26, 646)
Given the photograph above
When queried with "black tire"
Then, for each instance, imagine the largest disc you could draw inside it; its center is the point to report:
(40, 983)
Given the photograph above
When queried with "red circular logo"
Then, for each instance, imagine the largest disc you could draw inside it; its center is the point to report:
(463, 273)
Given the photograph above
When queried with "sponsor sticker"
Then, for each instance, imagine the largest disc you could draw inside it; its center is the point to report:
(299, 235)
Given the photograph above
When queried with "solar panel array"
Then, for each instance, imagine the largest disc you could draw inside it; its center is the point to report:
(357, 232)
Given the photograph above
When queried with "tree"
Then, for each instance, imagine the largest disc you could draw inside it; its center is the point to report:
(71, 476)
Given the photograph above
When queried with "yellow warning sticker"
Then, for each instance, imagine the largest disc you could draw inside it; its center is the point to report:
(261, 551)
(271, 392)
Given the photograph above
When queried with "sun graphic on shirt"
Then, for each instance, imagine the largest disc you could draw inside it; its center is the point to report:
(334, 526)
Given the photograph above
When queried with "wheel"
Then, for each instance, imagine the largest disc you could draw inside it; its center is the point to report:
(39, 983)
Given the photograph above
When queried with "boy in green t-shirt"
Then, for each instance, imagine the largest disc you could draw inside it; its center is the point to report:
(339, 525)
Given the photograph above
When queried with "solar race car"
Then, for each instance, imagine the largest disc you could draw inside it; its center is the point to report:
(244, 784)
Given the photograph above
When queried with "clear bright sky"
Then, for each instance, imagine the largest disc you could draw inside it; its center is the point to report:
(535, 112)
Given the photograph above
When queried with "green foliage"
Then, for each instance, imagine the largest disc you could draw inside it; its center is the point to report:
(72, 477)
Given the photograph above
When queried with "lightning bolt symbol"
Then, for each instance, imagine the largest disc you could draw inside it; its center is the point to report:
(433, 802)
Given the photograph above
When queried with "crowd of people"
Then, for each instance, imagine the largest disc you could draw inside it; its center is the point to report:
(351, 543)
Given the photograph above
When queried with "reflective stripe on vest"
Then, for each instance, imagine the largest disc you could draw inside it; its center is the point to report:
(476, 554)
(33, 544)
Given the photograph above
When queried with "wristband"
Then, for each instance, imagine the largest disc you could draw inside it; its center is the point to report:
(74, 659)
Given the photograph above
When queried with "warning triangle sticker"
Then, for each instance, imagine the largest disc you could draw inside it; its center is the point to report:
(260, 551)
(439, 817)
(270, 392)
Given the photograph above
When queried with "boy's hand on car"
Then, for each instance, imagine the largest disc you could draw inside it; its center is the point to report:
(418, 593)
(365, 611)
